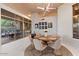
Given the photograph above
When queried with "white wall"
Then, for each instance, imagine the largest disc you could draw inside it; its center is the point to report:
(37, 19)
(65, 28)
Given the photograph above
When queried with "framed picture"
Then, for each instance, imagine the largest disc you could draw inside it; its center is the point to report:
(40, 27)
(45, 23)
(43, 27)
(36, 25)
(42, 23)
(50, 25)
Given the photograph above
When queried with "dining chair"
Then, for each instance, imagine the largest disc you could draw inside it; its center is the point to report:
(56, 44)
(39, 45)
(30, 38)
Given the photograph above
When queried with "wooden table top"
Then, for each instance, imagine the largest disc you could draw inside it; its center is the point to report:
(48, 38)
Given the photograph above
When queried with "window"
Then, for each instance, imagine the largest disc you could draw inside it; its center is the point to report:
(13, 27)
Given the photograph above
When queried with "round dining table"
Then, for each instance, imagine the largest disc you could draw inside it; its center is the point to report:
(48, 38)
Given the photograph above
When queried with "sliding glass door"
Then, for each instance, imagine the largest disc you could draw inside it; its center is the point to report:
(13, 27)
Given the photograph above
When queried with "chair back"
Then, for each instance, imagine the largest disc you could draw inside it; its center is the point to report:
(38, 44)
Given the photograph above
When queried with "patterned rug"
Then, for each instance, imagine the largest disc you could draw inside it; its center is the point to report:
(31, 51)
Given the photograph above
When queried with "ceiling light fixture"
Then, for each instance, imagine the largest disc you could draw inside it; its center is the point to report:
(45, 9)
(29, 15)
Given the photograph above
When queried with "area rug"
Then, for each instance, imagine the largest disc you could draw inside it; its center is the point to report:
(31, 51)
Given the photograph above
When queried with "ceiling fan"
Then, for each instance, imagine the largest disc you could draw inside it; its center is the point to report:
(46, 9)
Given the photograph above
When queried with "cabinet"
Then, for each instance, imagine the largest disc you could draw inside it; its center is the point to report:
(76, 21)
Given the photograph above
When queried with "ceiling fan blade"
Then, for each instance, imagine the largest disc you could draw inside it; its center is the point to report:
(40, 8)
(48, 6)
(51, 8)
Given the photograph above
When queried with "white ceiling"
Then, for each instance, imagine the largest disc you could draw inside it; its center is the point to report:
(28, 8)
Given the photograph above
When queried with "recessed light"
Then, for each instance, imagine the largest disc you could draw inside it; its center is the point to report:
(29, 15)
